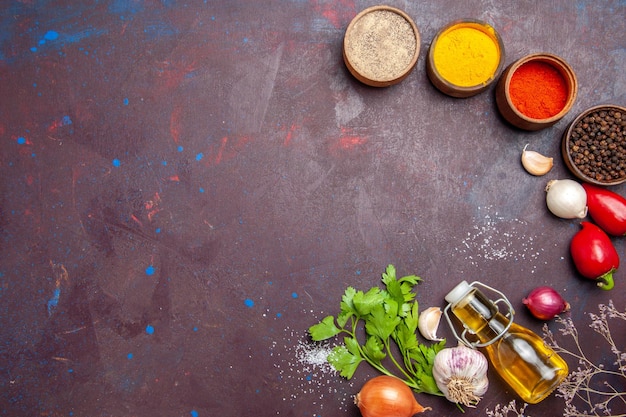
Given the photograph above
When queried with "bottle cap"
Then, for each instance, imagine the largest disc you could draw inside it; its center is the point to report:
(458, 292)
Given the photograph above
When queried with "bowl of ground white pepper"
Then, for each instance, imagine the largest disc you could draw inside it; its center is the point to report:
(594, 145)
(381, 46)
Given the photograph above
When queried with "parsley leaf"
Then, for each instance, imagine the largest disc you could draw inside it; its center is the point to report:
(365, 302)
(380, 323)
(374, 349)
(380, 328)
(324, 329)
(344, 361)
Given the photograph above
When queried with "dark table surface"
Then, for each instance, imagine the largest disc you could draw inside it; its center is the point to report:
(187, 186)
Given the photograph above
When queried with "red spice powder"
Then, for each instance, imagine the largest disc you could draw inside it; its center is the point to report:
(538, 90)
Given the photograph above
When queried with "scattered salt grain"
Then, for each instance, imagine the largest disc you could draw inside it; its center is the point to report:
(303, 365)
(494, 238)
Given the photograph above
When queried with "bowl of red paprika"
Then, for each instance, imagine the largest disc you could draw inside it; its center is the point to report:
(594, 145)
(536, 91)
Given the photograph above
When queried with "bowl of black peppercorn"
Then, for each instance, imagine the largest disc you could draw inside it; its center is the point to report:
(594, 145)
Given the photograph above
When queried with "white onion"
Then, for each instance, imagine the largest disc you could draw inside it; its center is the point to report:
(566, 199)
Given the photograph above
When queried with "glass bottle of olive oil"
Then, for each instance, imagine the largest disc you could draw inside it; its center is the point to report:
(519, 356)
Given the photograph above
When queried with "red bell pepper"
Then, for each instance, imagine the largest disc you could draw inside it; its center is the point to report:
(607, 209)
(594, 255)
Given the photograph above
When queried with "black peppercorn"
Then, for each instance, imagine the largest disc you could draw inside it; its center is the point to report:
(598, 145)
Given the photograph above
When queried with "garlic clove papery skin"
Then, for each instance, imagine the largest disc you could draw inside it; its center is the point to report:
(461, 374)
(535, 163)
(428, 323)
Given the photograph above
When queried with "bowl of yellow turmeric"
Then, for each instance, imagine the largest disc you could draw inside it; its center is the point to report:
(464, 58)
(536, 91)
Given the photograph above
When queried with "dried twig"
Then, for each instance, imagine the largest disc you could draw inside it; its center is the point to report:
(586, 391)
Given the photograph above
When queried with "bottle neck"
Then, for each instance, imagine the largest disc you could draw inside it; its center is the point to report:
(479, 315)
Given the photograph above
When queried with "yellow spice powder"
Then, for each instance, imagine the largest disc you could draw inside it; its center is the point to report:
(466, 56)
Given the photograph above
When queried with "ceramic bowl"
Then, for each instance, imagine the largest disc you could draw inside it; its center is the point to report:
(487, 36)
(605, 148)
(381, 46)
(517, 117)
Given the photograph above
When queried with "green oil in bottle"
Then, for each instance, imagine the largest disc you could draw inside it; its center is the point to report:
(519, 356)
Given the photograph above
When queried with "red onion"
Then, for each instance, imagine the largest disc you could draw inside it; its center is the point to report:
(545, 303)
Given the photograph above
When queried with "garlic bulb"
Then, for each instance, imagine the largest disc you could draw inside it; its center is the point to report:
(461, 374)
(566, 199)
(429, 322)
(535, 163)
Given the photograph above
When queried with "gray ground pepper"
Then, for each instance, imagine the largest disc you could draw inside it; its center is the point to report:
(598, 145)
(381, 45)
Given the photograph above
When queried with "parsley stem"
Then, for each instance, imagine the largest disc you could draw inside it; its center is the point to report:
(409, 380)
(384, 319)
(380, 368)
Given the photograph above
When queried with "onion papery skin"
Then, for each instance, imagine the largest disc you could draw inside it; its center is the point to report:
(387, 396)
(566, 199)
(545, 303)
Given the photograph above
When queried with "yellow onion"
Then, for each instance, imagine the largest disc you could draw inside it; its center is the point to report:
(387, 396)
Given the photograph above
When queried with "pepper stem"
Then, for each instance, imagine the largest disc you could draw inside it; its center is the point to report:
(606, 282)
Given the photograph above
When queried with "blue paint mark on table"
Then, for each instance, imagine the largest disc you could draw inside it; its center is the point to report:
(54, 301)
(51, 35)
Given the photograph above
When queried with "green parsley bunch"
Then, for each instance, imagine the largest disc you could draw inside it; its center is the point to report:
(373, 322)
